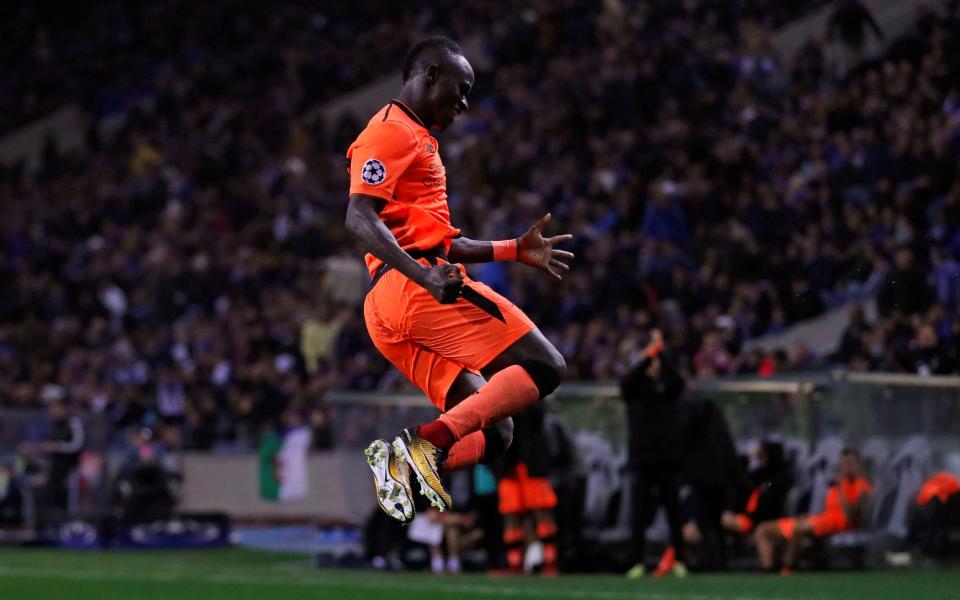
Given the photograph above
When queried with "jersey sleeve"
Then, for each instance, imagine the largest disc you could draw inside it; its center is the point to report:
(379, 157)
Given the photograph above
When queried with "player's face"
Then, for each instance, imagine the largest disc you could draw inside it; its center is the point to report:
(849, 466)
(449, 90)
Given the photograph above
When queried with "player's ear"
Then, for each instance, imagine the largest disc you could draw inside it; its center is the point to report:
(432, 73)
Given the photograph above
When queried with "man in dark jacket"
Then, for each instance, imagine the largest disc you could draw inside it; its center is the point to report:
(63, 448)
(771, 482)
(652, 392)
(711, 466)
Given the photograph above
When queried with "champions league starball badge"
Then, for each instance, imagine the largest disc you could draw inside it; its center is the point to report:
(373, 172)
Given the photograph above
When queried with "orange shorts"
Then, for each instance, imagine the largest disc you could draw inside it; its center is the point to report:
(744, 523)
(825, 523)
(519, 492)
(431, 343)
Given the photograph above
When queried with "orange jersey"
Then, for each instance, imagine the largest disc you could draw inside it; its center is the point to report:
(832, 519)
(852, 490)
(396, 159)
(940, 486)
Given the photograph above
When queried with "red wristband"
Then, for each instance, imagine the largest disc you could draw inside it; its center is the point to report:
(654, 350)
(504, 250)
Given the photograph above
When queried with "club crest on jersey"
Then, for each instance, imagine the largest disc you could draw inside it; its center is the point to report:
(373, 172)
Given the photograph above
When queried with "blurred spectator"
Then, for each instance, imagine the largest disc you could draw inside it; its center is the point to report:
(844, 509)
(62, 447)
(446, 534)
(906, 290)
(484, 504)
(147, 486)
(567, 479)
(527, 498)
(927, 356)
(384, 540)
(946, 276)
(11, 496)
(935, 520)
(712, 468)
(770, 482)
(849, 22)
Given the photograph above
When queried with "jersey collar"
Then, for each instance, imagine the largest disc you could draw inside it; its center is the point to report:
(409, 112)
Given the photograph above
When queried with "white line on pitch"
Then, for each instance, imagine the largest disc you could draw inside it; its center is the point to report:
(418, 586)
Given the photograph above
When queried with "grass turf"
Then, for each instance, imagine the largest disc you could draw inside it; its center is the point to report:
(236, 574)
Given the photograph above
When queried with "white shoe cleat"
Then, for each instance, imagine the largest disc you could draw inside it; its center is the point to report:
(391, 479)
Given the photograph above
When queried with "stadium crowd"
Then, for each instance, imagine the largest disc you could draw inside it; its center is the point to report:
(190, 266)
(108, 56)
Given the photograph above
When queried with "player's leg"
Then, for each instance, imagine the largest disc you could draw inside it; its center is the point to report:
(527, 370)
(768, 536)
(427, 457)
(474, 421)
(514, 539)
(537, 356)
(452, 535)
(546, 528)
(643, 511)
(489, 335)
(801, 532)
(735, 522)
(668, 485)
(510, 505)
(383, 315)
(482, 446)
(391, 476)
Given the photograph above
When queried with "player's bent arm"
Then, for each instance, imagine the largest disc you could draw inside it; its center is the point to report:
(363, 221)
(465, 250)
(443, 282)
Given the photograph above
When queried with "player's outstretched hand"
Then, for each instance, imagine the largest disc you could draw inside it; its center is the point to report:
(443, 282)
(537, 251)
(656, 339)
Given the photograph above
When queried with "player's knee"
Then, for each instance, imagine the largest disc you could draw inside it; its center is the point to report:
(497, 439)
(559, 365)
(505, 432)
(546, 373)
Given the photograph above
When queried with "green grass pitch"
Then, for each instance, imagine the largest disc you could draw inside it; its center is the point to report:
(236, 574)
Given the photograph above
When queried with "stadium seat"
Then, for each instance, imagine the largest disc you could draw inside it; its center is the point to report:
(876, 452)
(605, 478)
(812, 478)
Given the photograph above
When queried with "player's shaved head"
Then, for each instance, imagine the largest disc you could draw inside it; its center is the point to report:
(437, 78)
(429, 51)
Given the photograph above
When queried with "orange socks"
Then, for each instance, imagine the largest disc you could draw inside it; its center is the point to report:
(513, 539)
(547, 534)
(508, 392)
(467, 452)
(437, 433)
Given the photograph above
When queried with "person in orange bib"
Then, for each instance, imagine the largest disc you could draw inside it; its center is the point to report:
(477, 356)
(842, 511)
(526, 496)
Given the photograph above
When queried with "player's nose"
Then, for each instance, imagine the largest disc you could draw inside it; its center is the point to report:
(462, 105)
